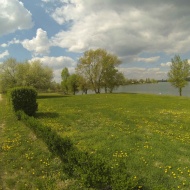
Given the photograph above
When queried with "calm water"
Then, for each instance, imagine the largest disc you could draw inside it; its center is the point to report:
(162, 88)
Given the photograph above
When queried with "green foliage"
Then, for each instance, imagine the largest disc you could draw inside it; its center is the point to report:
(97, 67)
(24, 98)
(65, 75)
(179, 72)
(39, 76)
(72, 83)
(15, 74)
(83, 84)
(8, 74)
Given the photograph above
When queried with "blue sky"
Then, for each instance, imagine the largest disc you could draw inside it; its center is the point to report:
(145, 36)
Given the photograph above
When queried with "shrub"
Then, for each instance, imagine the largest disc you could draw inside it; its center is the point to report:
(24, 98)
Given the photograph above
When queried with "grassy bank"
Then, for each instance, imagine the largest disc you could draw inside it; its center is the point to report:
(150, 133)
(25, 162)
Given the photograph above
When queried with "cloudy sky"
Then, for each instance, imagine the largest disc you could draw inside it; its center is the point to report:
(144, 34)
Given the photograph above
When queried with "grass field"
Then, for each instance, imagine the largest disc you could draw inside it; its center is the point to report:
(151, 133)
(25, 161)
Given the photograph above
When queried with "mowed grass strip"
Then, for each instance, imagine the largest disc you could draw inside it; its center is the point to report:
(25, 161)
(150, 133)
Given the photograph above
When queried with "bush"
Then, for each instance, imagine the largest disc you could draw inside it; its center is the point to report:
(24, 98)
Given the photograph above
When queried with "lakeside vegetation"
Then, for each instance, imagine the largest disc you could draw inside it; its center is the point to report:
(149, 133)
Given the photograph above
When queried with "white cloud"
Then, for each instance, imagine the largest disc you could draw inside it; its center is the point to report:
(148, 60)
(46, 1)
(65, 13)
(168, 64)
(14, 16)
(124, 27)
(4, 54)
(57, 64)
(4, 45)
(143, 73)
(13, 41)
(39, 45)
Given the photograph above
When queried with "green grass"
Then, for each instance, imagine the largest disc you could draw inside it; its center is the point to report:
(25, 162)
(150, 133)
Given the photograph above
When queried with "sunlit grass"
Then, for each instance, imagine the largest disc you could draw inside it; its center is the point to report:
(150, 133)
(25, 162)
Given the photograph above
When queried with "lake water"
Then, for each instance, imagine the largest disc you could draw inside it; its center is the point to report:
(161, 88)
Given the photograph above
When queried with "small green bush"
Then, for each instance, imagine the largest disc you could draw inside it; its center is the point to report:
(24, 98)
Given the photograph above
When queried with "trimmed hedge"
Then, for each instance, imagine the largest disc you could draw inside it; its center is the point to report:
(24, 98)
(93, 170)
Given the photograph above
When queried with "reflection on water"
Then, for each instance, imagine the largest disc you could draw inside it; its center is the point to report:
(164, 88)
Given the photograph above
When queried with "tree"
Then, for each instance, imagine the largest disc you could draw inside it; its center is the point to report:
(55, 87)
(116, 80)
(14, 74)
(39, 76)
(22, 73)
(72, 83)
(8, 74)
(112, 79)
(65, 75)
(179, 72)
(96, 67)
(83, 84)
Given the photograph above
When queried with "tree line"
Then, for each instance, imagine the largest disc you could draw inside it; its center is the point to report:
(96, 70)
(34, 74)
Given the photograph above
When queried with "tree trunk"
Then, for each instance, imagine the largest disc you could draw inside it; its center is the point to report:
(180, 91)
(106, 90)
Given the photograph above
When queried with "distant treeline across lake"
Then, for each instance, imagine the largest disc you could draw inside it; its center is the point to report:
(160, 88)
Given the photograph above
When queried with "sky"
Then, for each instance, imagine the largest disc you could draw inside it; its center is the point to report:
(144, 34)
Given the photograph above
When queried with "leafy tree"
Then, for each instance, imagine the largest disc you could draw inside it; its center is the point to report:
(65, 75)
(14, 74)
(8, 74)
(55, 87)
(22, 74)
(96, 66)
(141, 81)
(83, 84)
(112, 79)
(179, 72)
(72, 83)
(39, 76)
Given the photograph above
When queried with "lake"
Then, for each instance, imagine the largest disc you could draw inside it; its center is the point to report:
(161, 88)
